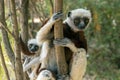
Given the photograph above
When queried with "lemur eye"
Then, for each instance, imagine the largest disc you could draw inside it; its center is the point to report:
(76, 21)
(30, 45)
(86, 20)
(36, 47)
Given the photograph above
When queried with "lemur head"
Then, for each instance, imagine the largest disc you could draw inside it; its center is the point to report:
(33, 45)
(78, 19)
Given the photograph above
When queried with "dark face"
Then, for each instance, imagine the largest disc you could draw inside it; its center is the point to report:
(81, 23)
(33, 47)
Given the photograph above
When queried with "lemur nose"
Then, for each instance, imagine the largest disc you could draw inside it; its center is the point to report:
(81, 25)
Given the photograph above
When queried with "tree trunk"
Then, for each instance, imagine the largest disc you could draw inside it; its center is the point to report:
(24, 25)
(3, 63)
(24, 20)
(18, 64)
(5, 38)
(58, 33)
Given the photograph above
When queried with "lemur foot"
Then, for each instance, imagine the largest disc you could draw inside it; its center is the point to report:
(46, 75)
(57, 16)
(63, 42)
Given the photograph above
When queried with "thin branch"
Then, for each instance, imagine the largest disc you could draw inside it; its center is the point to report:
(52, 7)
(3, 63)
(18, 63)
(5, 28)
(42, 10)
(34, 8)
(10, 14)
(4, 34)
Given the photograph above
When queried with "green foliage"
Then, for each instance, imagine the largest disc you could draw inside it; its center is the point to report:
(104, 57)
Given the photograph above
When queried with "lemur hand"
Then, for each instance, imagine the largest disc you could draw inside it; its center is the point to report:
(63, 42)
(57, 16)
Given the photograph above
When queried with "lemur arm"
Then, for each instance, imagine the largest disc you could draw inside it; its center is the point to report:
(79, 61)
(65, 42)
(44, 32)
(31, 63)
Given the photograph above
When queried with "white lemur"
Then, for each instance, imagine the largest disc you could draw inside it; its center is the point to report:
(32, 51)
(74, 42)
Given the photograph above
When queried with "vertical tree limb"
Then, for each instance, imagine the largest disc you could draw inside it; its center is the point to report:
(58, 33)
(5, 38)
(24, 20)
(52, 7)
(18, 64)
(3, 63)
(24, 25)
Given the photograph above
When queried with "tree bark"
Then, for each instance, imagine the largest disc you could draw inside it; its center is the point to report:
(24, 20)
(24, 25)
(5, 38)
(3, 63)
(18, 64)
(58, 33)
(52, 7)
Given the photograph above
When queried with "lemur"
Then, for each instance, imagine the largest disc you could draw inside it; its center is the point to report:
(32, 52)
(74, 42)
(32, 49)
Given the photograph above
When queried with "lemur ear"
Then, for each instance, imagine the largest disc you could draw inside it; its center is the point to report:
(69, 14)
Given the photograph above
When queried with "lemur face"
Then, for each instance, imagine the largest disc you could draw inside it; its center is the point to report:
(78, 19)
(81, 22)
(33, 46)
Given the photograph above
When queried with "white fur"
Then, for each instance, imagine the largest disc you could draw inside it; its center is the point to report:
(78, 65)
(45, 75)
(77, 13)
(31, 63)
(33, 41)
(81, 13)
(45, 50)
(43, 33)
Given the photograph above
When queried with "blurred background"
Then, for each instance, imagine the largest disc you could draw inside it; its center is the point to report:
(103, 35)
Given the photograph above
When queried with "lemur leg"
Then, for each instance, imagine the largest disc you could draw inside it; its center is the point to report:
(79, 62)
(33, 74)
(78, 65)
(45, 54)
(44, 33)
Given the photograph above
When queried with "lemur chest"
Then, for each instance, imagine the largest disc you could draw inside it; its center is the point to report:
(74, 37)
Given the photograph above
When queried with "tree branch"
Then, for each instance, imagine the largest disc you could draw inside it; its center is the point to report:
(24, 25)
(35, 9)
(3, 63)
(58, 33)
(18, 63)
(5, 28)
(52, 7)
(5, 39)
